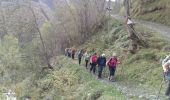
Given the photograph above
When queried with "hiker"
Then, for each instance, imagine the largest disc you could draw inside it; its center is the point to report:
(112, 62)
(73, 51)
(65, 51)
(86, 58)
(69, 52)
(93, 62)
(101, 61)
(80, 54)
(166, 69)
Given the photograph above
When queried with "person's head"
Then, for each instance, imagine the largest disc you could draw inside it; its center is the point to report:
(114, 54)
(103, 55)
(93, 49)
(95, 53)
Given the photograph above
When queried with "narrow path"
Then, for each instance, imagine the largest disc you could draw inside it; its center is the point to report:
(159, 28)
(10, 95)
(130, 91)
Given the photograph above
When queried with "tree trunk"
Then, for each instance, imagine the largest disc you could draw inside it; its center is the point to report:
(132, 36)
(42, 41)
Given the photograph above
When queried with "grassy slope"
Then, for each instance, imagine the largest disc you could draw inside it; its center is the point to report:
(146, 11)
(141, 68)
(67, 82)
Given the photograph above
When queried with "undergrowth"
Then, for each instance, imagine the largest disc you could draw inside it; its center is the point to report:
(67, 82)
(144, 67)
(152, 10)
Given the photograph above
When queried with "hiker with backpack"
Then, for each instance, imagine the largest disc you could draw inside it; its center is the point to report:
(80, 54)
(86, 58)
(101, 61)
(73, 51)
(166, 69)
(66, 52)
(69, 52)
(93, 63)
(112, 64)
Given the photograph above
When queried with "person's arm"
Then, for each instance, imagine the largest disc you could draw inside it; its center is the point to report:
(105, 62)
(97, 60)
(166, 66)
(91, 59)
(108, 61)
(118, 61)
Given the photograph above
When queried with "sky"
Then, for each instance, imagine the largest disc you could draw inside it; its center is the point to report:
(111, 0)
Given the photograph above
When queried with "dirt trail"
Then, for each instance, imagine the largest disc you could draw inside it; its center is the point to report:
(131, 91)
(159, 28)
(10, 95)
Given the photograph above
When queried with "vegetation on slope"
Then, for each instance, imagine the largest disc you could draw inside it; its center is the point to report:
(68, 81)
(144, 67)
(152, 10)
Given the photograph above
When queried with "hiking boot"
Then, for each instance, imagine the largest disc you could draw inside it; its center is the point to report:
(109, 78)
(112, 80)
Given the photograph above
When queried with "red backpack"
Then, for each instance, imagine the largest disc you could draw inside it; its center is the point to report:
(94, 59)
(112, 62)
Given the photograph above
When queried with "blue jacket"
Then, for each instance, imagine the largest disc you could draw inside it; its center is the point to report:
(101, 61)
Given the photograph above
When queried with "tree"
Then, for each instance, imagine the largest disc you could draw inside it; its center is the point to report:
(135, 37)
(42, 40)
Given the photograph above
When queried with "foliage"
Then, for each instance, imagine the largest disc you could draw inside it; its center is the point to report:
(152, 10)
(144, 67)
(67, 81)
(10, 58)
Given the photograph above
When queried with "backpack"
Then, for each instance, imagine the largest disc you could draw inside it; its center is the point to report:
(94, 59)
(166, 59)
(167, 75)
(112, 62)
(80, 54)
(87, 57)
(73, 51)
(102, 61)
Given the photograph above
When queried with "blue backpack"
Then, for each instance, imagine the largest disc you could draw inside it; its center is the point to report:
(167, 75)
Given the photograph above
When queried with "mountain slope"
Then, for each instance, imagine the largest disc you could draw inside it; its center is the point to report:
(67, 81)
(143, 69)
(152, 10)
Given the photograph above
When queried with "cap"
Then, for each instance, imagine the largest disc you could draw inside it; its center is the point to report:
(103, 55)
(114, 54)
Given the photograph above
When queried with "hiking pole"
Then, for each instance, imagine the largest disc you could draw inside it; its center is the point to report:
(161, 86)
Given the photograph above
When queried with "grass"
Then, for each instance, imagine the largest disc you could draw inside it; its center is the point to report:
(144, 67)
(68, 82)
(71, 82)
(146, 11)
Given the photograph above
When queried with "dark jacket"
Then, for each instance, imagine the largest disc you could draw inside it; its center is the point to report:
(80, 54)
(101, 61)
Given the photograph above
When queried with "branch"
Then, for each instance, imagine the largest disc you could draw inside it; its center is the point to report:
(41, 38)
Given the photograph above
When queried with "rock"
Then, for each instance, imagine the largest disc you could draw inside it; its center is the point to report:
(152, 96)
(141, 96)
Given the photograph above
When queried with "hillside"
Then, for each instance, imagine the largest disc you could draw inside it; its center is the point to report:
(67, 82)
(32, 61)
(140, 73)
(152, 10)
(142, 68)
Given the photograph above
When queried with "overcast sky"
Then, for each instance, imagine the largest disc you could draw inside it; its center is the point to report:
(111, 0)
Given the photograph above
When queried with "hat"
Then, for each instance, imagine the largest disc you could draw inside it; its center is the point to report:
(114, 54)
(103, 55)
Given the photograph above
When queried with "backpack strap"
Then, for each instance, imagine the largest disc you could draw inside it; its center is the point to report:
(110, 59)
